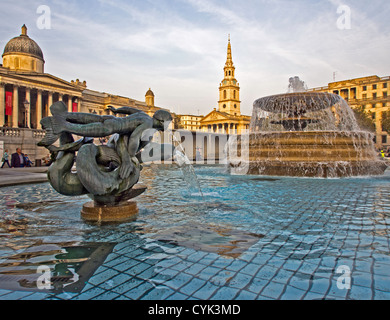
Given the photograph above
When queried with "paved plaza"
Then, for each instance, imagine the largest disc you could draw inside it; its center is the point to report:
(248, 238)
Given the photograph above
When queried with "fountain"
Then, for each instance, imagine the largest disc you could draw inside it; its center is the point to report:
(307, 134)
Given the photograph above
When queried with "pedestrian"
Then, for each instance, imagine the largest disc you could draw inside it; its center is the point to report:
(27, 161)
(17, 159)
(383, 153)
(5, 159)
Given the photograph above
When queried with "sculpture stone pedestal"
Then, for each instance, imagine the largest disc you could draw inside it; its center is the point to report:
(126, 211)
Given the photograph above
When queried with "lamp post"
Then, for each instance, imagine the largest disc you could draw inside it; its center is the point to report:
(26, 110)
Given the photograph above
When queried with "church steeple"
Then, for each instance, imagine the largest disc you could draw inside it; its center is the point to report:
(229, 90)
(229, 60)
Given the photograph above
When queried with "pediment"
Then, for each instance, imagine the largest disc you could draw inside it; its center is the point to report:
(42, 80)
(215, 116)
(51, 80)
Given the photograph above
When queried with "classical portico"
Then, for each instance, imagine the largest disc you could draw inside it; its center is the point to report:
(24, 105)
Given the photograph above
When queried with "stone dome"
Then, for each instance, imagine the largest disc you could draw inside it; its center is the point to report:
(23, 45)
(149, 93)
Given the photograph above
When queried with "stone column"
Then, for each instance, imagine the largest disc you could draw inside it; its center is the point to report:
(39, 109)
(2, 104)
(49, 103)
(60, 97)
(28, 116)
(15, 108)
(70, 106)
(78, 104)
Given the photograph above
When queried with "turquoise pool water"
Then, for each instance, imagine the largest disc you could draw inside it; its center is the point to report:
(247, 237)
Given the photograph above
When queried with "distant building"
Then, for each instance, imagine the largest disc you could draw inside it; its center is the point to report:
(189, 122)
(370, 92)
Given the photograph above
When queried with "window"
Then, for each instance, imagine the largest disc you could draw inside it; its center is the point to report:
(364, 95)
(364, 88)
(374, 95)
(384, 94)
(384, 139)
(374, 87)
(224, 106)
(385, 86)
(224, 96)
(373, 115)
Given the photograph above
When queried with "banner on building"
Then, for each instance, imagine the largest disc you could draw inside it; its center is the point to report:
(75, 107)
(8, 103)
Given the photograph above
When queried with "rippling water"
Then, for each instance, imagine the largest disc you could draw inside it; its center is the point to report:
(291, 219)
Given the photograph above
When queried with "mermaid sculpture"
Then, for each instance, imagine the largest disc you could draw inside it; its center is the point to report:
(106, 173)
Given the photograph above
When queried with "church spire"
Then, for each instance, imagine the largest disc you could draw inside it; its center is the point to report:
(229, 60)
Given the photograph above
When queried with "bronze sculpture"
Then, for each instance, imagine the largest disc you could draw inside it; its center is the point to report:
(106, 173)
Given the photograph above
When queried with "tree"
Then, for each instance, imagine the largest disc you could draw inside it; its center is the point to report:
(386, 121)
(364, 120)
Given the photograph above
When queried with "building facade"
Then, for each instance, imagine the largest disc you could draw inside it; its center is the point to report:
(189, 122)
(227, 118)
(27, 92)
(372, 93)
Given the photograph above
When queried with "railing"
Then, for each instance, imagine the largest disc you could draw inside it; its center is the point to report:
(10, 132)
(21, 132)
(38, 134)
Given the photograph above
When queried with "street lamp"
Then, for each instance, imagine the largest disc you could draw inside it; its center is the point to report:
(27, 110)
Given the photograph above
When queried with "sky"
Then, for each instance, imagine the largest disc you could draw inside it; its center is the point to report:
(178, 47)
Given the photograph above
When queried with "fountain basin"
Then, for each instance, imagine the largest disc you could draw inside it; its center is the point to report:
(326, 154)
(305, 134)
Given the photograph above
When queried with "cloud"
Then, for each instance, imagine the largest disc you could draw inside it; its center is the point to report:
(178, 47)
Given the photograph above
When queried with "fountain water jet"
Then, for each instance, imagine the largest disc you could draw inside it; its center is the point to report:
(308, 134)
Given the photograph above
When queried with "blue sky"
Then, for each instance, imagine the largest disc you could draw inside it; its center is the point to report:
(178, 47)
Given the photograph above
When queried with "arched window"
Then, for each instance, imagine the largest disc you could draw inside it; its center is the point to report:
(224, 106)
(234, 95)
(224, 94)
(230, 73)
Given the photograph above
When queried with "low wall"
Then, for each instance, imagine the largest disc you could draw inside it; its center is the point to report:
(202, 147)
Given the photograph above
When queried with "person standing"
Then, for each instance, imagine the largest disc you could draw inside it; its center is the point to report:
(27, 161)
(5, 159)
(18, 159)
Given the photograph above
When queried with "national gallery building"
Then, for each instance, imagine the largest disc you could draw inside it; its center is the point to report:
(27, 92)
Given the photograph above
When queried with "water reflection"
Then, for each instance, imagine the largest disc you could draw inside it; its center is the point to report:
(52, 267)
